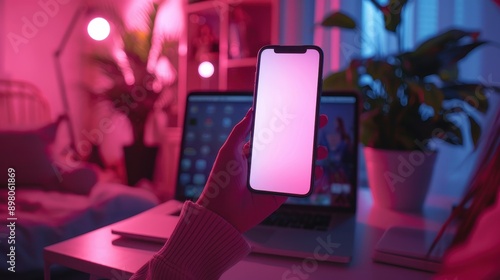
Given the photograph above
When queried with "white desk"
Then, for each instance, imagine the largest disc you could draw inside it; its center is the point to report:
(103, 254)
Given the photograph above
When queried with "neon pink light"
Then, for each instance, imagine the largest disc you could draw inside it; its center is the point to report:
(206, 69)
(98, 29)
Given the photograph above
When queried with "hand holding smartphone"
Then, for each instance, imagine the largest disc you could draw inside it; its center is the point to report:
(286, 102)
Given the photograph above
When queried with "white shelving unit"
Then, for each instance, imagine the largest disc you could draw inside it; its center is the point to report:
(212, 26)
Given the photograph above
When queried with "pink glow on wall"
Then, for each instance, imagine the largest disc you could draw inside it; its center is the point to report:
(33, 30)
(328, 38)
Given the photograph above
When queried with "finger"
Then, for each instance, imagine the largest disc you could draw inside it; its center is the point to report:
(241, 129)
(322, 152)
(323, 120)
(246, 149)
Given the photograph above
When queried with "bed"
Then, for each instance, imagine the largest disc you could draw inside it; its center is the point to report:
(52, 201)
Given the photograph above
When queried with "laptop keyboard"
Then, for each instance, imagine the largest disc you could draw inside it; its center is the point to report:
(292, 219)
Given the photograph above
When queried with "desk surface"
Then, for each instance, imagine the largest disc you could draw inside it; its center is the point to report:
(104, 254)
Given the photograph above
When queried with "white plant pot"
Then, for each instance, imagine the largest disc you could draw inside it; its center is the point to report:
(399, 180)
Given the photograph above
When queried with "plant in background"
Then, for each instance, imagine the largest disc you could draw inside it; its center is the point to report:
(138, 69)
(139, 76)
(412, 97)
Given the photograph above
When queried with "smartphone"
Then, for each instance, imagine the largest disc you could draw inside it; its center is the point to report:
(286, 102)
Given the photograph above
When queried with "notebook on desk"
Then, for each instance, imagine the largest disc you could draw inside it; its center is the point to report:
(409, 247)
(322, 224)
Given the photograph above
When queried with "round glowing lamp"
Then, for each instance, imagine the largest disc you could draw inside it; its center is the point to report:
(206, 69)
(98, 29)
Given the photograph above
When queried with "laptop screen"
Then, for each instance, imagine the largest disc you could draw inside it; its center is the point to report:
(337, 186)
(210, 117)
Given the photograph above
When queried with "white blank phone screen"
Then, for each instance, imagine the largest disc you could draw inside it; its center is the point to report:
(285, 116)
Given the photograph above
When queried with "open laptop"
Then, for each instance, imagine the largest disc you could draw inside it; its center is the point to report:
(321, 225)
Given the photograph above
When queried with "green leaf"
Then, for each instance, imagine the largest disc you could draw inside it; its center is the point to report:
(404, 141)
(433, 96)
(371, 102)
(419, 65)
(392, 14)
(429, 94)
(386, 74)
(437, 61)
(380, 69)
(452, 133)
(453, 54)
(449, 73)
(138, 42)
(339, 19)
(439, 42)
(107, 66)
(415, 91)
(472, 94)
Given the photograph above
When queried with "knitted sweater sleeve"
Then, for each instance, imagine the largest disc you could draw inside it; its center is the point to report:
(202, 246)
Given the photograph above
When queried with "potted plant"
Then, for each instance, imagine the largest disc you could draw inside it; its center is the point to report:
(140, 74)
(406, 107)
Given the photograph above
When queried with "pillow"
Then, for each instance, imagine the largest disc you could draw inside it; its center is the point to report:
(27, 153)
(78, 181)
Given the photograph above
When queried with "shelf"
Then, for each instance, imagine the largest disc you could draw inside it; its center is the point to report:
(207, 5)
(242, 62)
(202, 6)
(230, 33)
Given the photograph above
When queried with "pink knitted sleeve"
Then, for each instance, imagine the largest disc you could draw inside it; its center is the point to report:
(202, 246)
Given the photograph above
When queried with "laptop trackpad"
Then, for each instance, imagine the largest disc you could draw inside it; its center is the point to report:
(259, 235)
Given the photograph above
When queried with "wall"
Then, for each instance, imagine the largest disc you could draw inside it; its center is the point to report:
(31, 32)
(2, 35)
(490, 16)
